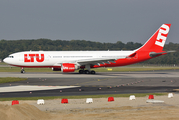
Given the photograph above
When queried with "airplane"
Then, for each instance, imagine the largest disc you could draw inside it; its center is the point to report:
(69, 61)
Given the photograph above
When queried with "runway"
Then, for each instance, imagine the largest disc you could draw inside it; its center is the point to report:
(58, 84)
(149, 74)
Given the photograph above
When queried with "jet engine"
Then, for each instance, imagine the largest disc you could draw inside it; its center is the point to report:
(68, 67)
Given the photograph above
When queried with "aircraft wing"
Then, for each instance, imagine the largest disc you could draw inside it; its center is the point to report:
(93, 61)
(98, 61)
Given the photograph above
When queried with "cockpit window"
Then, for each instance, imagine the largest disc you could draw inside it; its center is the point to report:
(10, 56)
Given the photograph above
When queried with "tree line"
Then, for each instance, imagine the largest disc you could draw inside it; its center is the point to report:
(11, 46)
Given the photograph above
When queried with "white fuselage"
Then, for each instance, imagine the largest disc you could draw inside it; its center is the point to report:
(56, 58)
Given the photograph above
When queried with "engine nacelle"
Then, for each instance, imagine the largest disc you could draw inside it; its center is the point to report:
(68, 67)
(56, 69)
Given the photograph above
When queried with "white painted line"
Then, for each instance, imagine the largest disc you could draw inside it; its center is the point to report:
(154, 101)
(22, 88)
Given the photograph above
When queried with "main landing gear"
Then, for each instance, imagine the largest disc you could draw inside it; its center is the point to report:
(22, 70)
(87, 72)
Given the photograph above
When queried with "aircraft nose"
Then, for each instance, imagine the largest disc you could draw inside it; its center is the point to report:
(5, 60)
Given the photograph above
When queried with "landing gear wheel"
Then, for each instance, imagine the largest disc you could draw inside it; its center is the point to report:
(87, 72)
(22, 71)
(81, 71)
(93, 72)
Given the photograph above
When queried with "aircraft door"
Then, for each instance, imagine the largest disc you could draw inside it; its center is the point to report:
(21, 57)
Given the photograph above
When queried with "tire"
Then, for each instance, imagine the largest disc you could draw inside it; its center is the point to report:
(81, 71)
(93, 72)
(87, 72)
(22, 71)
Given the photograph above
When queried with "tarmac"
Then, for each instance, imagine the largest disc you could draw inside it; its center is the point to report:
(58, 84)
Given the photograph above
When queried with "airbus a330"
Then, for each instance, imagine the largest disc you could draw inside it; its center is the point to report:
(69, 61)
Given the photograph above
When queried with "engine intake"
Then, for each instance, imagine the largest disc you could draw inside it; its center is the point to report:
(56, 69)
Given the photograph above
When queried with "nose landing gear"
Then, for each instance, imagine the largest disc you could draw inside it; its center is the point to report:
(22, 70)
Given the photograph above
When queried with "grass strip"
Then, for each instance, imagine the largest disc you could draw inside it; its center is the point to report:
(17, 69)
(11, 79)
(82, 96)
(133, 69)
(3, 63)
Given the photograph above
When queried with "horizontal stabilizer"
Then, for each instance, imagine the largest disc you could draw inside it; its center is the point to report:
(154, 54)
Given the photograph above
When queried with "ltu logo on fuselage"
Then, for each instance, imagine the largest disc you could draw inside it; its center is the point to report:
(31, 57)
(161, 38)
